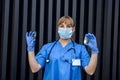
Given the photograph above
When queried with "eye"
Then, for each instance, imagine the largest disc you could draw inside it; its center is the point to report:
(69, 26)
(61, 26)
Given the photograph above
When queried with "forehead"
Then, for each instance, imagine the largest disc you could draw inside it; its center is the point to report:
(66, 22)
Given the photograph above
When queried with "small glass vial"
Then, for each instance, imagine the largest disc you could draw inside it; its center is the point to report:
(85, 40)
(35, 36)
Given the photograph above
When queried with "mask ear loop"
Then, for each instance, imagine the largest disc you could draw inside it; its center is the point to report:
(48, 59)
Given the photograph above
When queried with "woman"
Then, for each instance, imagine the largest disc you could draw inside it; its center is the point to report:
(63, 59)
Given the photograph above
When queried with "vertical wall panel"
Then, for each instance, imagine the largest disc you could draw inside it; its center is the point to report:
(41, 22)
(118, 58)
(82, 15)
(33, 16)
(50, 18)
(90, 15)
(115, 40)
(66, 7)
(58, 5)
(74, 11)
(0, 35)
(99, 33)
(14, 41)
(107, 40)
(23, 45)
(101, 17)
(4, 41)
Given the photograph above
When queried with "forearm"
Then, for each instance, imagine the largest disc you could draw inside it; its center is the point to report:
(91, 67)
(33, 63)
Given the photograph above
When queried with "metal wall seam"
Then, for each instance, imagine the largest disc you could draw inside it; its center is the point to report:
(115, 40)
(58, 8)
(23, 49)
(90, 16)
(50, 25)
(33, 15)
(107, 40)
(4, 44)
(82, 15)
(14, 47)
(118, 66)
(41, 22)
(99, 26)
(66, 7)
(74, 12)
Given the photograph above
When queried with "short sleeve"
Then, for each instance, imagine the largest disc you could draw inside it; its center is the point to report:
(42, 55)
(85, 58)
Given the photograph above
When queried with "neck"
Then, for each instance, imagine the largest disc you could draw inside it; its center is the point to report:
(64, 42)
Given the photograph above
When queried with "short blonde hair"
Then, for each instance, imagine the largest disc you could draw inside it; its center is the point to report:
(66, 19)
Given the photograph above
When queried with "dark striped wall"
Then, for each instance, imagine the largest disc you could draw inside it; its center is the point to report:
(101, 17)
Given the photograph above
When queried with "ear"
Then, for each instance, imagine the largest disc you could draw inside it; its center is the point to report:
(73, 29)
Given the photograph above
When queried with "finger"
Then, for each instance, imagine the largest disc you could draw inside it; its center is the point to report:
(86, 35)
(27, 34)
(93, 36)
(30, 33)
(89, 36)
(89, 33)
(34, 33)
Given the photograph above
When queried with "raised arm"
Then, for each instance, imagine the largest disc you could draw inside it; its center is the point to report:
(31, 54)
(92, 43)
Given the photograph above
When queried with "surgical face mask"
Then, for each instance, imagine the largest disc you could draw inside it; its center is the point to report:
(65, 33)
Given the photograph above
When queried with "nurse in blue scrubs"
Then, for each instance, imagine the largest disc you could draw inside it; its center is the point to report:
(63, 59)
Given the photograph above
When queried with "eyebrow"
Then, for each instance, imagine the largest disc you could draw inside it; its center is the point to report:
(66, 24)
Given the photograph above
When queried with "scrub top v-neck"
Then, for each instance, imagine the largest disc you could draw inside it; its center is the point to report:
(57, 68)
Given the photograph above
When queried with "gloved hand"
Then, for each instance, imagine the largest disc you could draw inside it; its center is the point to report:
(30, 41)
(92, 43)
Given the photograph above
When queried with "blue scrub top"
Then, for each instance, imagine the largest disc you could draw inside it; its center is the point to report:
(58, 68)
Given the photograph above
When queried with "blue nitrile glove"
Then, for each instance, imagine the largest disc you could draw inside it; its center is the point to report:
(92, 43)
(30, 41)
